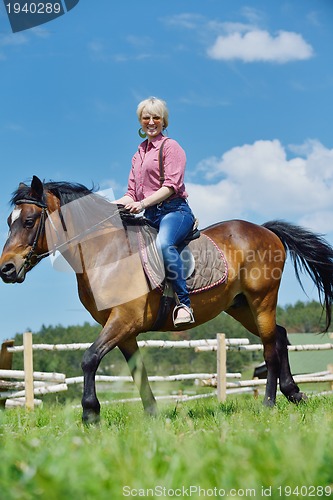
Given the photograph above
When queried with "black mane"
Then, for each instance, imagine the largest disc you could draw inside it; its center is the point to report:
(91, 209)
(67, 191)
(64, 191)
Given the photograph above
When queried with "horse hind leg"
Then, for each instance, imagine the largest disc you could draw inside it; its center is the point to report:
(131, 352)
(274, 338)
(273, 368)
(261, 322)
(275, 341)
(288, 386)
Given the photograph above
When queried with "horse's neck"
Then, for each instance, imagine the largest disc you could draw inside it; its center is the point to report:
(110, 271)
(80, 233)
(95, 251)
(105, 259)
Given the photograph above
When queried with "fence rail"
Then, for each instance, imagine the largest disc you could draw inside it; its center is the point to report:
(39, 383)
(181, 344)
(260, 347)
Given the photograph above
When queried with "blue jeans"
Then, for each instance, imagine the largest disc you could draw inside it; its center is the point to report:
(174, 220)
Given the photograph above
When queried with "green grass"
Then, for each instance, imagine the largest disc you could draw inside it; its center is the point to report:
(309, 361)
(238, 445)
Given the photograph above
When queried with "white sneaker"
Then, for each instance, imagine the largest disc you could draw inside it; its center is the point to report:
(183, 315)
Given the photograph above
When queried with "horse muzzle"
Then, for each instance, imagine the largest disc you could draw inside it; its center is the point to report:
(10, 274)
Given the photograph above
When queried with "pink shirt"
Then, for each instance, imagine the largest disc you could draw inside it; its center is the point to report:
(144, 175)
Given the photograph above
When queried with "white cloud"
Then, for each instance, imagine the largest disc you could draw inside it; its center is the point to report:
(253, 15)
(9, 41)
(260, 45)
(98, 51)
(258, 182)
(139, 41)
(245, 41)
(14, 127)
(185, 20)
(321, 221)
(13, 40)
(112, 187)
(41, 32)
(203, 101)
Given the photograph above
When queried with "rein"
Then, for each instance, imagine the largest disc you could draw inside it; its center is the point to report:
(32, 258)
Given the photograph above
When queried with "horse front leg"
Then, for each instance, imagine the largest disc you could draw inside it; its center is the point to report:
(106, 341)
(131, 352)
(90, 404)
(112, 335)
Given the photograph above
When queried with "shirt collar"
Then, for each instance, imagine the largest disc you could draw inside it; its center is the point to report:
(155, 142)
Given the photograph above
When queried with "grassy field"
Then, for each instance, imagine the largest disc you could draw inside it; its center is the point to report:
(238, 449)
(309, 361)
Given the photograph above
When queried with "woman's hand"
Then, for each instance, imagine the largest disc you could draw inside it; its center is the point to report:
(135, 207)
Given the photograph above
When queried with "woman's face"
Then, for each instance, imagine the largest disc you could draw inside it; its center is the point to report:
(152, 124)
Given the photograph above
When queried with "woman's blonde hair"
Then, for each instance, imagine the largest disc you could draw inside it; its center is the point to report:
(154, 106)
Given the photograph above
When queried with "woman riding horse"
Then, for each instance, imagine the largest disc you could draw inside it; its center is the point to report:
(162, 196)
(106, 267)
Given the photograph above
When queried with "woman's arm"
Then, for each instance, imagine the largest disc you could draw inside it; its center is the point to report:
(124, 200)
(138, 206)
(160, 195)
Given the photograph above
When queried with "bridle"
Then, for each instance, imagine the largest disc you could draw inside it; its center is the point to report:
(32, 258)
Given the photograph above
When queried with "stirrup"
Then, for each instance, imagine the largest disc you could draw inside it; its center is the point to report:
(186, 320)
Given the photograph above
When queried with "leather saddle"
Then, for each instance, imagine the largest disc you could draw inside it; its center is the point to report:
(204, 264)
(134, 220)
(147, 238)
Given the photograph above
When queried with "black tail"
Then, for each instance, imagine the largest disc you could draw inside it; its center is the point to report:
(309, 252)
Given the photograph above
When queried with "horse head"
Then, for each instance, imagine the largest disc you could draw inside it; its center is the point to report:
(26, 239)
(51, 216)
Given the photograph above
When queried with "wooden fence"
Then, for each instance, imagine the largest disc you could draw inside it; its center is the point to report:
(39, 383)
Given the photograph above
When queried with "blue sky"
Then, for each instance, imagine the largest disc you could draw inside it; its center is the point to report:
(249, 88)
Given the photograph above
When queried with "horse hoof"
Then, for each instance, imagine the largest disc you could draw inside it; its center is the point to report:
(298, 397)
(89, 417)
(269, 403)
(151, 411)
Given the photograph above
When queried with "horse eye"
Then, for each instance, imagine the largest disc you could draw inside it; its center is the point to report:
(29, 223)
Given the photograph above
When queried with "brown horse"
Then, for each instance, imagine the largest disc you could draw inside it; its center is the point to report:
(115, 290)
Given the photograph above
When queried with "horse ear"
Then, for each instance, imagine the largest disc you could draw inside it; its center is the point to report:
(22, 185)
(37, 187)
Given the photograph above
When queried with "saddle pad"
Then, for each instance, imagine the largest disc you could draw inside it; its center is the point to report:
(211, 267)
(210, 264)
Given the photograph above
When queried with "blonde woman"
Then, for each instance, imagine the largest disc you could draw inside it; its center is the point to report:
(163, 200)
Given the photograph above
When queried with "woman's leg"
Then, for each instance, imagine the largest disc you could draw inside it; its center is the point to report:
(174, 227)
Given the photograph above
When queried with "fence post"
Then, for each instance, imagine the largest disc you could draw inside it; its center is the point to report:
(330, 369)
(221, 368)
(255, 390)
(6, 359)
(28, 371)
